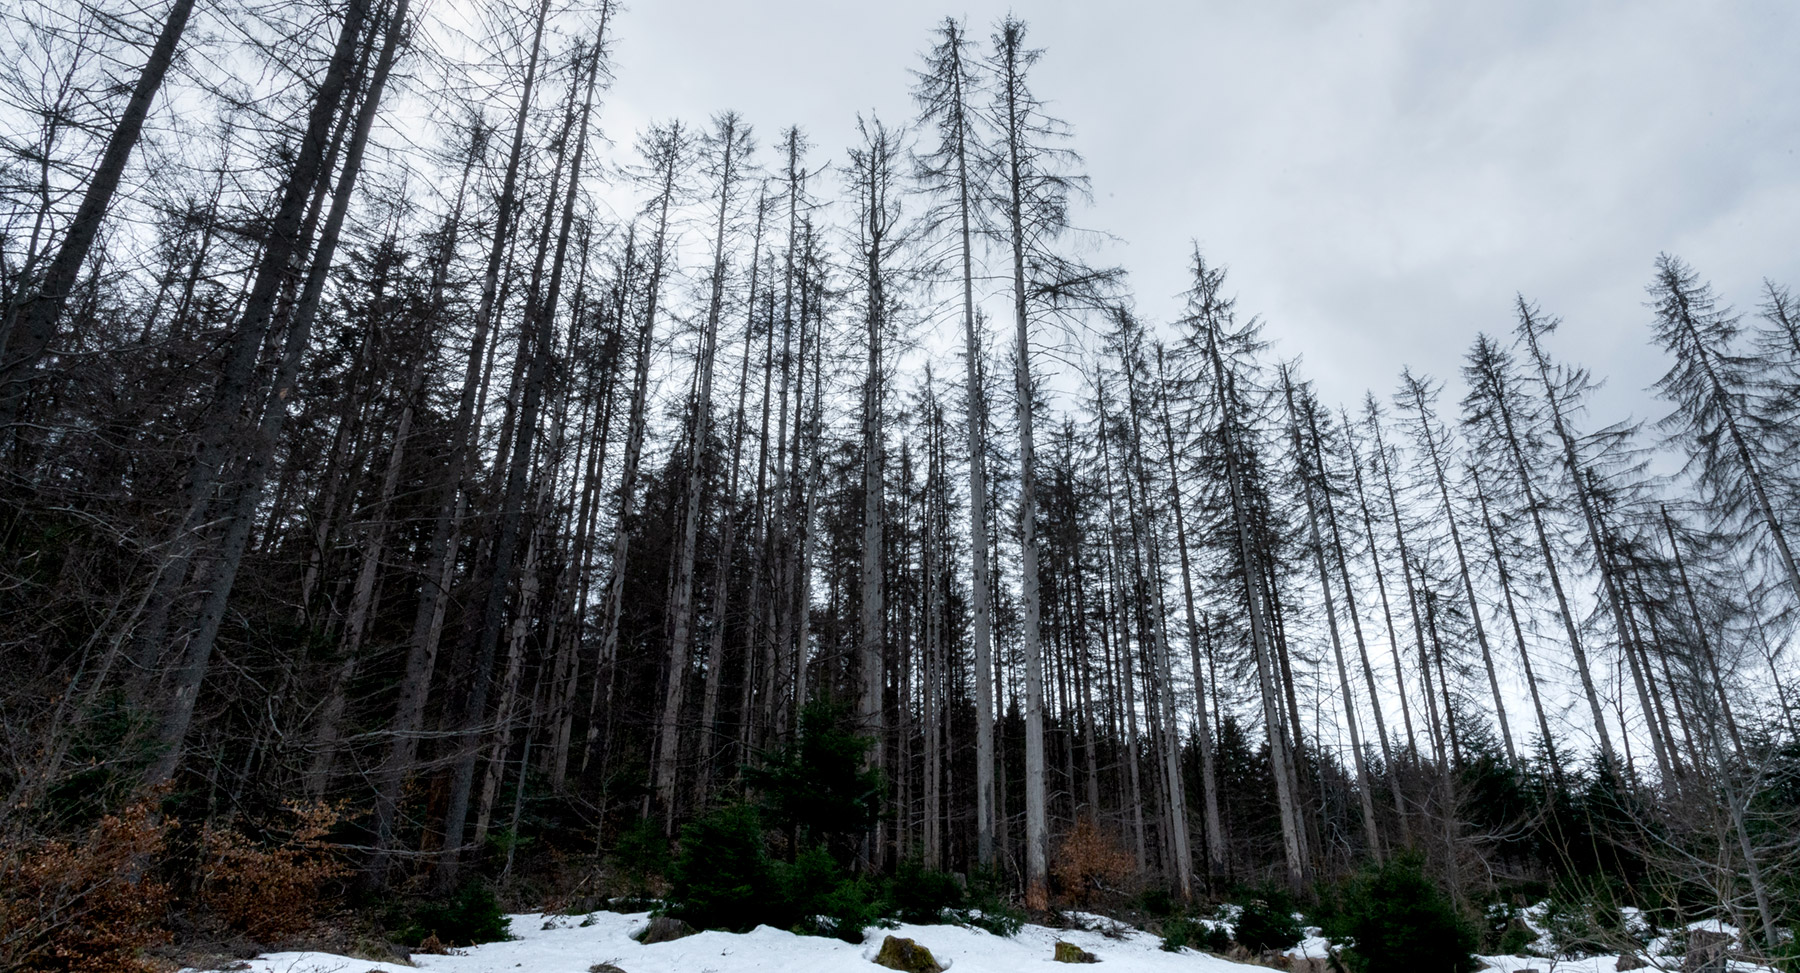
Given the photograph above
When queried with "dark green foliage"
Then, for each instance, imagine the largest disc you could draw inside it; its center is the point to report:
(1583, 919)
(1267, 923)
(467, 917)
(1183, 931)
(817, 787)
(1505, 933)
(1392, 919)
(1157, 901)
(721, 879)
(641, 853)
(919, 895)
(995, 915)
(813, 895)
(724, 878)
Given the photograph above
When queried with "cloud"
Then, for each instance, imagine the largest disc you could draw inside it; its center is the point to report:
(1381, 177)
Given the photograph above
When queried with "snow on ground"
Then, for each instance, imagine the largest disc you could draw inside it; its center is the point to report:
(569, 946)
(574, 944)
(566, 945)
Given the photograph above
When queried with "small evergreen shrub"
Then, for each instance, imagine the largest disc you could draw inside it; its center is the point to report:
(1505, 932)
(641, 859)
(1392, 919)
(1001, 919)
(989, 909)
(467, 917)
(1157, 901)
(921, 895)
(817, 787)
(813, 896)
(1585, 921)
(1267, 924)
(721, 879)
(1211, 937)
(851, 907)
(1177, 934)
(1181, 931)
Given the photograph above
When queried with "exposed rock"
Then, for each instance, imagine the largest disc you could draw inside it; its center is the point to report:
(1631, 961)
(663, 929)
(604, 968)
(1071, 953)
(907, 956)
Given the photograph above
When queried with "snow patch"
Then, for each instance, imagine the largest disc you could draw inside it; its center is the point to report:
(573, 944)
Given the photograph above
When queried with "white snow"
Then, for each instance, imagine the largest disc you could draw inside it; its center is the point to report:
(568, 946)
(573, 944)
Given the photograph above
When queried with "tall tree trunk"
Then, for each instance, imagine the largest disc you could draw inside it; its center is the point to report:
(1574, 470)
(1259, 636)
(730, 134)
(1037, 828)
(1512, 613)
(715, 653)
(668, 163)
(1387, 617)
(539, 337)
(1209, 788)
(191, 671)
(428, 619)
(32, 318)
(1418, 392)
(1365, 789)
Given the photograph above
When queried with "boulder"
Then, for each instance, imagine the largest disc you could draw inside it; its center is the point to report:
(1071, 953)
(604, 968)
(1631, 961)
(907, 956)
(663, 929)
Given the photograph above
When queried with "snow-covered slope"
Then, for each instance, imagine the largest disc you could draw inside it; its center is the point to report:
(576, 944)
(573, 944)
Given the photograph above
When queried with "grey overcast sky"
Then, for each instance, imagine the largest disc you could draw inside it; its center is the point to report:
(1381, 177)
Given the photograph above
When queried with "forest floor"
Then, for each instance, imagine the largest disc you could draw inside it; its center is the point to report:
(578, 944)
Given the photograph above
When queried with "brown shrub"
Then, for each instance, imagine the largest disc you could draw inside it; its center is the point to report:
(270, 891)
(91, 907)
(1088, 860)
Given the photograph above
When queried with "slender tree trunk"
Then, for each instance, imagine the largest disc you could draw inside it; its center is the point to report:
(1417, 391)
(1259, 637)
(700, 432)
(1712, 661)
(1215, 840)
(1365, 789)
(1037, 830)
(715, 654)
(428, 620)
(191, 672)
(1512, 613)
(668, 163)
(35, 310)
(1387, 616)
(539, 333)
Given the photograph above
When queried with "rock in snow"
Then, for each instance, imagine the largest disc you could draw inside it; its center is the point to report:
(902, 954)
